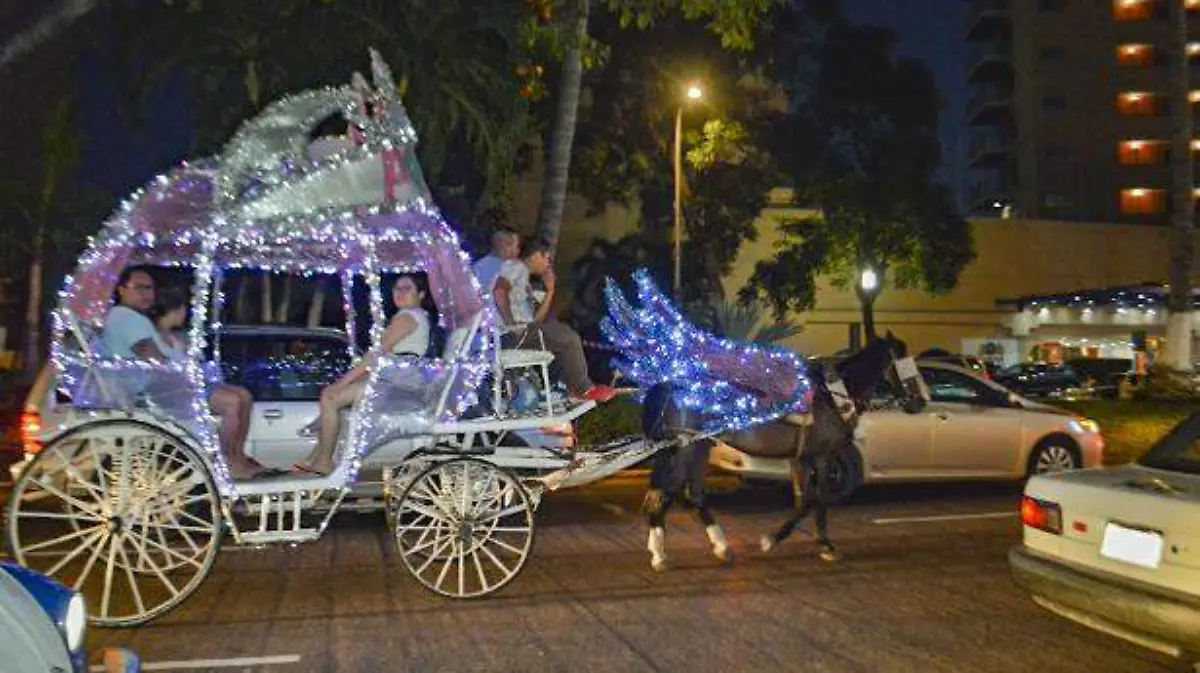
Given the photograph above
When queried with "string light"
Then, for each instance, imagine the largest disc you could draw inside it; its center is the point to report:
(732, 385)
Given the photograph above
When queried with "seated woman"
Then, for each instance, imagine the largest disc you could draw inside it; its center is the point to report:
(407, 334)
(231, 403)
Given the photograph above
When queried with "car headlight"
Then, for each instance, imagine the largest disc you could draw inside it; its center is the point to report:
(74, 624)
(1085, 425)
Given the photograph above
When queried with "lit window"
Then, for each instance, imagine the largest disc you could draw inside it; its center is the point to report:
(1133, 10)
(1143, 201)
(1136, 55)
(1134, 152)
(1137, 104)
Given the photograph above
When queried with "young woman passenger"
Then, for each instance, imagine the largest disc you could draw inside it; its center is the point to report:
(407, 334)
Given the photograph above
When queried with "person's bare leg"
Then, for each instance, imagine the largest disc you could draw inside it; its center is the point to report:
(333, 400)
(225, 405)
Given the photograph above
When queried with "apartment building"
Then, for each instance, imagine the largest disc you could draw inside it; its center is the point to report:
(1069, 113)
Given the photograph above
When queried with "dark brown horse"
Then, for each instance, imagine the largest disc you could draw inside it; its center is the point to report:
(811, 442)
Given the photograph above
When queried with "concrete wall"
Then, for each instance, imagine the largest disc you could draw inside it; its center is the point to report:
(1014, 258)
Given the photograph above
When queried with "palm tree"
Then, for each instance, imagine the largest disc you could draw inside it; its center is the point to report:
(558, 159)
(1179, 301)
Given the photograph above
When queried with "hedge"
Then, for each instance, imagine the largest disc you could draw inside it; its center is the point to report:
(1129, 427)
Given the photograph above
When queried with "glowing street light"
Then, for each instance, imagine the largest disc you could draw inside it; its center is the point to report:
(868, 281)
(694, 93)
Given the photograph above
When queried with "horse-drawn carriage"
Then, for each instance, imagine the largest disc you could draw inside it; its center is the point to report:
(130, 496)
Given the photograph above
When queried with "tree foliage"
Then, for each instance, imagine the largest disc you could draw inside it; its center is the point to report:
(864, 154)
(455, 61)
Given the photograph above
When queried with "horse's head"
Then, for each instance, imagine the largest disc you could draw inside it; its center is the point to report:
(882, 359)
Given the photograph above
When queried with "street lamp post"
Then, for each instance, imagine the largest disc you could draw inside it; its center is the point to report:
(868, 289)
(693, 93)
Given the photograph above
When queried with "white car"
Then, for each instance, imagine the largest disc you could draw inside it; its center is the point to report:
(1118, 549)
(285, 368)
(971, 429)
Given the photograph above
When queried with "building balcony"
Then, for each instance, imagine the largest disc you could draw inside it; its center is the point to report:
(988, 20)
(989, 152)
(990, 62)
(989, 107)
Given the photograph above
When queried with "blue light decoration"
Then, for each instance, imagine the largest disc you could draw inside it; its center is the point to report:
(732, 385)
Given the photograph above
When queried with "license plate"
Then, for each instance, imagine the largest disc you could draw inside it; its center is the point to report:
(1129, 545)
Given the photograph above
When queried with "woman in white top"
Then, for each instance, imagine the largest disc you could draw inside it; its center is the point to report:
(407, 334)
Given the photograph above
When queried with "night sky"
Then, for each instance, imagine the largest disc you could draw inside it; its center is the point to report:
(932, 31)
(118, 161)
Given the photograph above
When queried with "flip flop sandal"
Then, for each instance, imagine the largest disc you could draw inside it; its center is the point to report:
(309, 470)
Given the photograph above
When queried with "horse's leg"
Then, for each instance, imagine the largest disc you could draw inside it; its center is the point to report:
(698, 495)
(656, 504)
(656, 517)
(801, 499)
(821, 473)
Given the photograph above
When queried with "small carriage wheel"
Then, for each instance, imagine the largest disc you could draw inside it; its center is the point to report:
(464, 527)
(121, 511)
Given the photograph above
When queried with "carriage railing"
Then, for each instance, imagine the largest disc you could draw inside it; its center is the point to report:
(407, 396)
(163, 389)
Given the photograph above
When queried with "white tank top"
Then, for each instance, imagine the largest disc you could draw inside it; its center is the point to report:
(417, 341)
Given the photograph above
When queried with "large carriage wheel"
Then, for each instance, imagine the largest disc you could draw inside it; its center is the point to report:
(121, 511)
(464, 527)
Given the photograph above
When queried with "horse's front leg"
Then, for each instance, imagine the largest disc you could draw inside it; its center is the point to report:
(800, 506)
(821, 475)
(656, 504)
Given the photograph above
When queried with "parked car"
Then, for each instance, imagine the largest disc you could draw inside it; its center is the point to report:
(967, 362)
(43, 625)
(972, 429)
(1103, 376)
(1041, 379)
(284, 368)
(1118, 549)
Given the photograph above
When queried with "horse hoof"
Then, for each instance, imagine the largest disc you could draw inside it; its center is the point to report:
(829, 554)
(767, 543)
(660, 565)
(726, 556)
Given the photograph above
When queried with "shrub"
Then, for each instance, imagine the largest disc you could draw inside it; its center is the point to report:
(1130, 428)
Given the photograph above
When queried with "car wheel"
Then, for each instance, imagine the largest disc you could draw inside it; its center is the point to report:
(1054, 454)
(845, 475)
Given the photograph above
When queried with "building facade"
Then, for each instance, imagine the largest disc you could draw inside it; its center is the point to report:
(1069, 113)
(1029, 285)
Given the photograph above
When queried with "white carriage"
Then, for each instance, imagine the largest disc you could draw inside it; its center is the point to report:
(130, 497)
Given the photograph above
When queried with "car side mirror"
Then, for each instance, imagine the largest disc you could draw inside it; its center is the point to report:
(913, 405)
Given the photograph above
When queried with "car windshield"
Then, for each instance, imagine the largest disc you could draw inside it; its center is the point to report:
(1179, 450)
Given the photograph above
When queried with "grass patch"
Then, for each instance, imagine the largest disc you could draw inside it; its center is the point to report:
(1130, 427)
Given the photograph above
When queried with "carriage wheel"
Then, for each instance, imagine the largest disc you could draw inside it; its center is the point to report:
(464, 527)
(122, 512)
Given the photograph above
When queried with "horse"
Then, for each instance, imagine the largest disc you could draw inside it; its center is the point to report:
(841, 394)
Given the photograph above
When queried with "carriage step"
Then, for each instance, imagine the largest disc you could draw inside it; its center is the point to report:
(280, 536)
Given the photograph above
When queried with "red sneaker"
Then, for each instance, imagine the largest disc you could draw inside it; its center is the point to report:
(597, 393)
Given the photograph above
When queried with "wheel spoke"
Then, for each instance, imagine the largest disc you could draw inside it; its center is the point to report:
(76, 552)
(62, 538)
(133, 585)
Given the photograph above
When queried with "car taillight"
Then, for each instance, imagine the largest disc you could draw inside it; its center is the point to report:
(31, 431)
(1041, 514)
